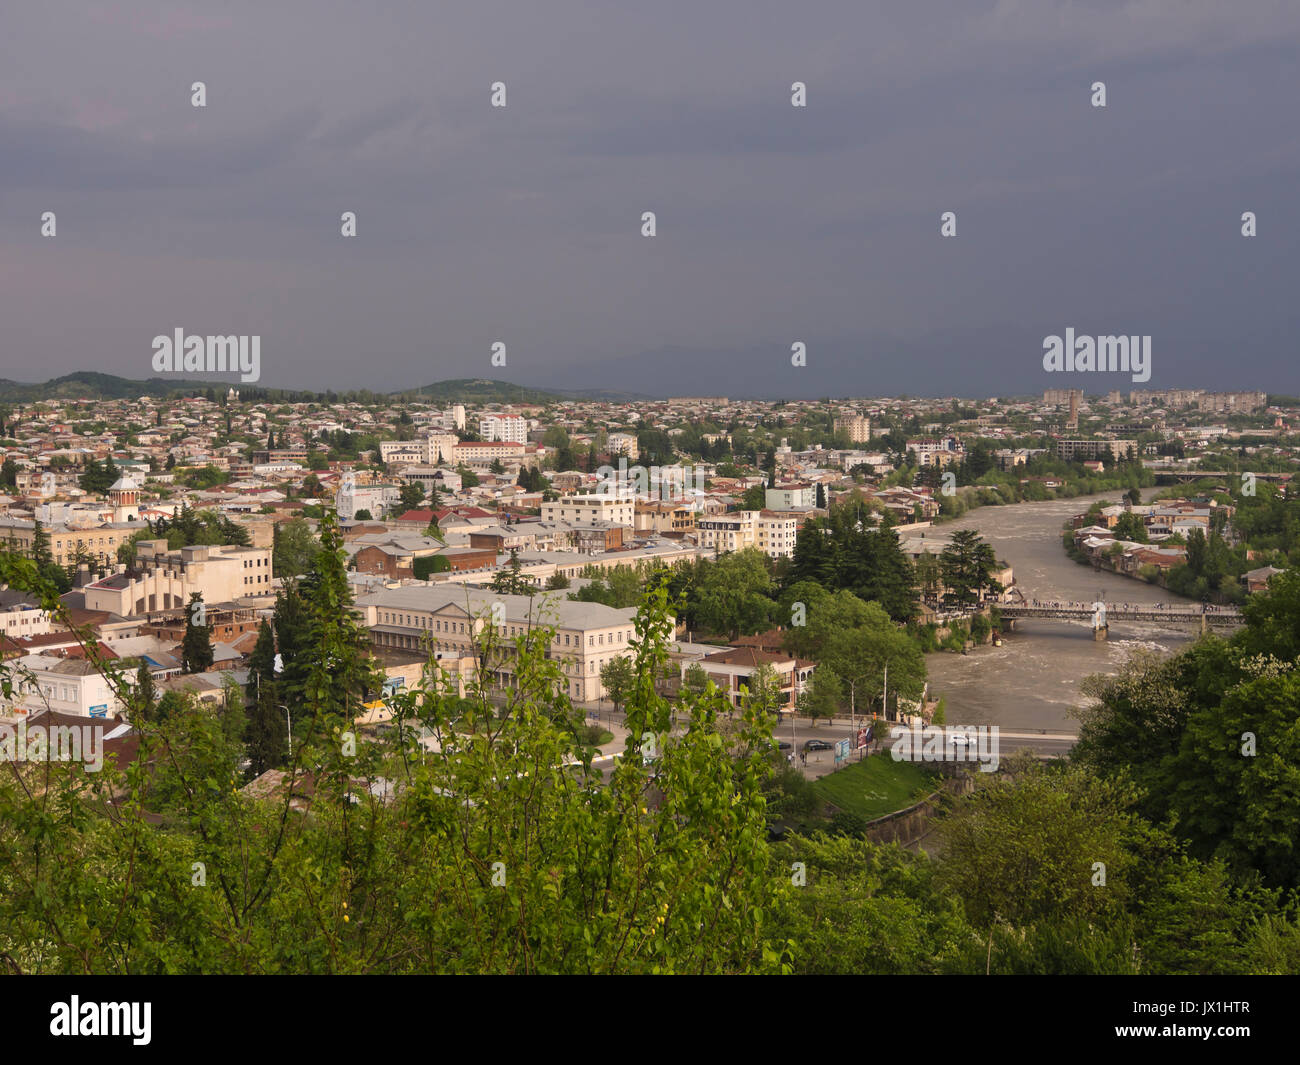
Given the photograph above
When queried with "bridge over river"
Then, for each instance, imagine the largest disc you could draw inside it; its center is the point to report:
(1101, 614)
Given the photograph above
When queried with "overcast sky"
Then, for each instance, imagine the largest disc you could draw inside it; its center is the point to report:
(775, 224)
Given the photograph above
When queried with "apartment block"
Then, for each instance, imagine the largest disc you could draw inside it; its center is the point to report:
(789, 496)
(854, 426)
(623, 444)
(588, 509)
(1077, 450)
(509, 428)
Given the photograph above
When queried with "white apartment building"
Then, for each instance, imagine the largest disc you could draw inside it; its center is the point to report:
(584, 509)
(933, 451)
(20, 616)
(451, 619)
(510, 428)
(165, 580)
(789, 496)
(771, 532)
(623, 444)
(777, 533)
(64, 685)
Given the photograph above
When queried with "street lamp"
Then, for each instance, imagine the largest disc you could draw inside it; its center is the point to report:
(289, 724)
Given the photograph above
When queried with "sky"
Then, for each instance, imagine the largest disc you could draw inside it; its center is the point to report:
(774, 224)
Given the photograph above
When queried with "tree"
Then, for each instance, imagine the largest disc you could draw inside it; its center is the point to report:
(495, 466)
(363, 515)
(145, 694)
(333, 667)
(266, 734)
(733, 594)
(557, 581)
(928, 575)
(822, 696)
(762, 695)
(617, 676)
(196, 646)
(602, 876)
(510, 580)
(97, 478)
(1131, 527)
(294, 548)
(967, 565)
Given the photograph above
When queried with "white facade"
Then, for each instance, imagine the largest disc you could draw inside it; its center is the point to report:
(508, 428)
(376, 498)
(584, 509)
(65, 685)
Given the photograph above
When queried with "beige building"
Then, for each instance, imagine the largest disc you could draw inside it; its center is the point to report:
(1072, 450)
(663, 518)
(165, 580)
(483, 453)
(68, 543)
(586, 509)
(452, 620)
(854, 426)
(771, 531)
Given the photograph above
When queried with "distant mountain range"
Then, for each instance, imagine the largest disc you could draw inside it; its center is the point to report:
(88, 384)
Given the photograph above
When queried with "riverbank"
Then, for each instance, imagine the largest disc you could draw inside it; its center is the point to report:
(1032, 680)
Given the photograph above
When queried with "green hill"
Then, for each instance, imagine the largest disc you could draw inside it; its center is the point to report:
(478, 390)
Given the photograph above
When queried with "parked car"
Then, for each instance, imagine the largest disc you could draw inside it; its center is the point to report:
(818, 745)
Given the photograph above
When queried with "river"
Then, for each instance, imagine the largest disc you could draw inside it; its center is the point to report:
(1032, 680)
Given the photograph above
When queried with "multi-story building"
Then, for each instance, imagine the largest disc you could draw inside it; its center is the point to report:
(374, 498)
(935, 451)
(664, 518)
(1072, 450)
(587, 509)
(788, 496)
(21, 615)
(164, 580)
(452, 618)
(64, 685)
(68, 544)
(623, 444)
(854, 426)
(772, 532)
(484, 453)
(510, 428)
(777, 533)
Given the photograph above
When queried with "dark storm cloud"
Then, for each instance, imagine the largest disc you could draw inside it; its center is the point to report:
(775, 224)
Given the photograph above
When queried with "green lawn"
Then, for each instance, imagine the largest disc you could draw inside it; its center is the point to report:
(876, 786)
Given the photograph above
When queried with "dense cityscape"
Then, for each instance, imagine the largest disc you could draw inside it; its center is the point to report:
(474, 578)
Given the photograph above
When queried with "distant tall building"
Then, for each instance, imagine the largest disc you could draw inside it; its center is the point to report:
(508, 428)
(1073, 423)
(854, 425)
